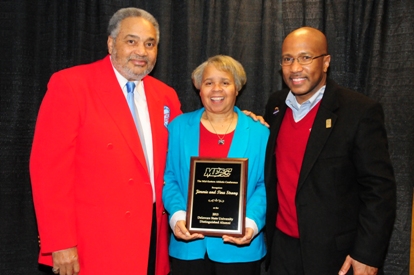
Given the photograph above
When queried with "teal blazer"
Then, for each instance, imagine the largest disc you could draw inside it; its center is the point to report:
(249, 141)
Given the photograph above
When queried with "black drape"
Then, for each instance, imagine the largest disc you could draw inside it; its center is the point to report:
(371, 44)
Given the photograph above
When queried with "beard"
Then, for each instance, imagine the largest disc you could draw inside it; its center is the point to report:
(126, 71)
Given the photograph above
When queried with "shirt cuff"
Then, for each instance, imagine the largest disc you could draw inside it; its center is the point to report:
(250, 223)
(177, 216)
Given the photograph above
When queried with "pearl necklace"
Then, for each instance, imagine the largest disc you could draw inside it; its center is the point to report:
(220, 139)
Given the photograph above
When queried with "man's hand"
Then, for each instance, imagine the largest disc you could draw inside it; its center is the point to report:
(181, 232)
(65, 262)
(358, 267)
(246, 239)
(256, 118)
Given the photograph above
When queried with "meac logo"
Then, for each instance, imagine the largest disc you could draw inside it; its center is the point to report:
(218, 172)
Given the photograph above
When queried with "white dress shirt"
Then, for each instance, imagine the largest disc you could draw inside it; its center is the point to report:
(141, 107)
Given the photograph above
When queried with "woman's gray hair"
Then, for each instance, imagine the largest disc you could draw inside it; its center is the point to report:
(115, 21)
(223, 63)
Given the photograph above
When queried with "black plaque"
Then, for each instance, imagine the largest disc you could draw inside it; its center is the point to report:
(217, 196)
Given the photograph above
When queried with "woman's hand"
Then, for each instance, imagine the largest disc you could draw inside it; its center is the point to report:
(246, 239)
(181, 232)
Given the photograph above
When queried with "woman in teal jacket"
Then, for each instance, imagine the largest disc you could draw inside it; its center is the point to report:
(219, 130)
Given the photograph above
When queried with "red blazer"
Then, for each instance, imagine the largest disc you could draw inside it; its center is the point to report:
(91, 188)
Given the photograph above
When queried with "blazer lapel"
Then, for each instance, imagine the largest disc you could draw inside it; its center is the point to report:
(240, 140)
(275, 122)
(115, 103)
(192, 135)
(323, 125)
(158, 131)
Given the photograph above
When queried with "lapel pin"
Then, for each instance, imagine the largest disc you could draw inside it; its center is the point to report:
(276, 110)
(166, 115)
(328, 123)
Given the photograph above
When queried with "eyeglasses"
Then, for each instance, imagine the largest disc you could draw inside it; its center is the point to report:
(302, 60)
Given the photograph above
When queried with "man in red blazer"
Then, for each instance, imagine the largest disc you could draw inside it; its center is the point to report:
(329, 180)
(93, 191)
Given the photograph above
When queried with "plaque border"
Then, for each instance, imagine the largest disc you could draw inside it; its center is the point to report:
(240, 230)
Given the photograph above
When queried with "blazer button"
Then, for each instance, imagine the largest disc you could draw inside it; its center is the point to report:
(127, 214)
(110, 146)
(131, 181)
(164, 182)
(163, 212)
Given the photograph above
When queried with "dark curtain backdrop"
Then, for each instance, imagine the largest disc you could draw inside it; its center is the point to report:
(371, 44)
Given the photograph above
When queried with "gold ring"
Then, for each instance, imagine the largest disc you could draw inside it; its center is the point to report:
(55, 270)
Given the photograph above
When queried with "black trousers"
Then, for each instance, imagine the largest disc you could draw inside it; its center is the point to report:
(153, 243)
(208, 267)
(286, 257)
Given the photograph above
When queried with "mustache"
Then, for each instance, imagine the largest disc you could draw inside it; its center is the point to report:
(138, 57)
(297, 74)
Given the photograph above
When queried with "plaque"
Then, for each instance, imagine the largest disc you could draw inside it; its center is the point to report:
(216, 203)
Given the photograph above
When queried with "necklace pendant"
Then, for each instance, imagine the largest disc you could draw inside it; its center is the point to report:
(221, 141)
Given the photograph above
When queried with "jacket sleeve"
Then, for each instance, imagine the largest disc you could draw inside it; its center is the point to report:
(377, 188)
(174, 193)
(256, 195)
(52, 168)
